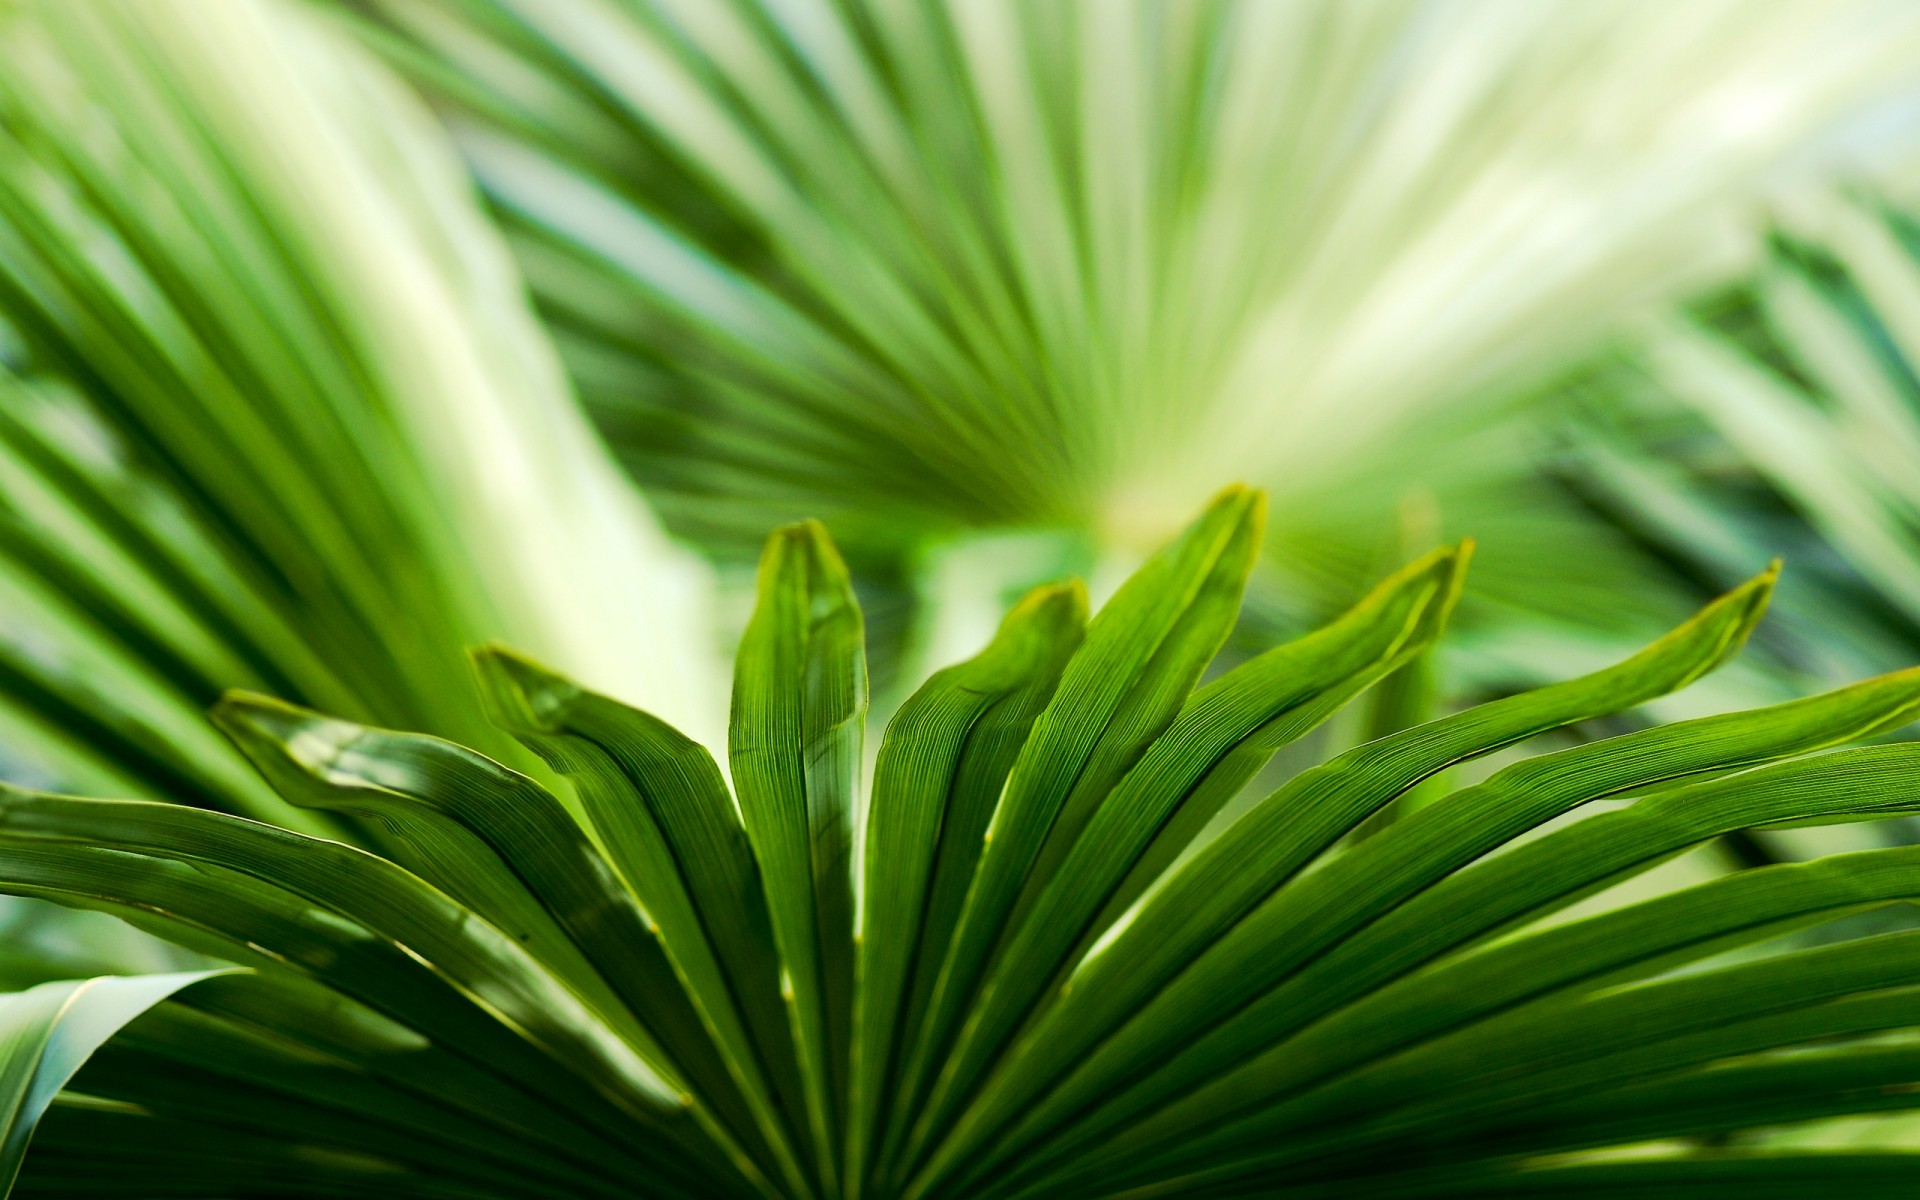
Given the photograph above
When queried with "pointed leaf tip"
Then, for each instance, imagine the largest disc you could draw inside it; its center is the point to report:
(49, 1033)
(273, 734)
(242, 713)
(1051, 606)
(1447, 567)
(1460, 560)
(519, 694)
(1754, 595)
(804, 554)
(291, 747)
(1447, 563)
(1237, 504)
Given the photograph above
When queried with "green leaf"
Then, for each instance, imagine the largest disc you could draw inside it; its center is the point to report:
(1611, 948)
(1502, 1086)
(440, 1091)
(979, 779)
(1266, 847)
(1332, 936)
(923, 833)
(658, 803)
(1123, 688)
(185, 1061)
(48, 1032)
(1529, 879)
(501, 845)
(200, 1158)
(903, 268)
(1226, 732)
(367, 929)
(1761, 1175)
(799, 707)
(235, 454)
(521, 1000)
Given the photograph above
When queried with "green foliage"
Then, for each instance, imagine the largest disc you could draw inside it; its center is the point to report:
(273, 413)
(1786, 412)
(907, 266)
(47, 1032)
(1034, 977)
(1054, 270)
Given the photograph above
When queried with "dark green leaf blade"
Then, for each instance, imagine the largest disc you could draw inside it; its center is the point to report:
(502, 845)
(1630, 1059)
(46, 1035)
(920, 806)
(365, 928)
(1219, 1077)
(1335, 933)
(1224, 734)
(325, 1026)
(659, 804)
(1126, 684)
(1272, 842)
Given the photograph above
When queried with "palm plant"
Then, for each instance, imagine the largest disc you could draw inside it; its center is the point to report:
(1789, 411)
(1005, 991)
(278, 419)
(920, 268)
(273, 414)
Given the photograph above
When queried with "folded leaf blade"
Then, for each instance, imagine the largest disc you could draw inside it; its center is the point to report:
(676, 842)
(794, 741)
(1224, 734)
(923, 809)
(1273, 841)
(1143, 653)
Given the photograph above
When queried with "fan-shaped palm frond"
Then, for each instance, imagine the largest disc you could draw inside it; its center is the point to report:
(1075, 262)
(273, 413)
(1007, 992)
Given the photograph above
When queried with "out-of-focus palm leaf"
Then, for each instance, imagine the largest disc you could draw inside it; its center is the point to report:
(1804, 382)
(274, 414)
(1027, 1000)
(904, 266)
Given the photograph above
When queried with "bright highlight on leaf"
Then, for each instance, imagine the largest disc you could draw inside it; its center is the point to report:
(1049, 989)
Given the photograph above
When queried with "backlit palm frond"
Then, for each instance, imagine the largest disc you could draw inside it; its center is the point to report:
(906, 265)
(273, 412)
(1029, 982)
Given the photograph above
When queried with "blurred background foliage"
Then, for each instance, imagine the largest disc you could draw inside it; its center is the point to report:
(934, 272)
(310, 311)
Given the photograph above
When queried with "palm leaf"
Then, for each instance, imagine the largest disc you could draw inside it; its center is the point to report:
(1806, 417)
(1046, 984)
(47, 1032)
(273, 413)
(921, 268)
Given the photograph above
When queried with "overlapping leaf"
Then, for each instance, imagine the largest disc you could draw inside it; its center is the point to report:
(1029, 986)
(915, 268)
(267, 390)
